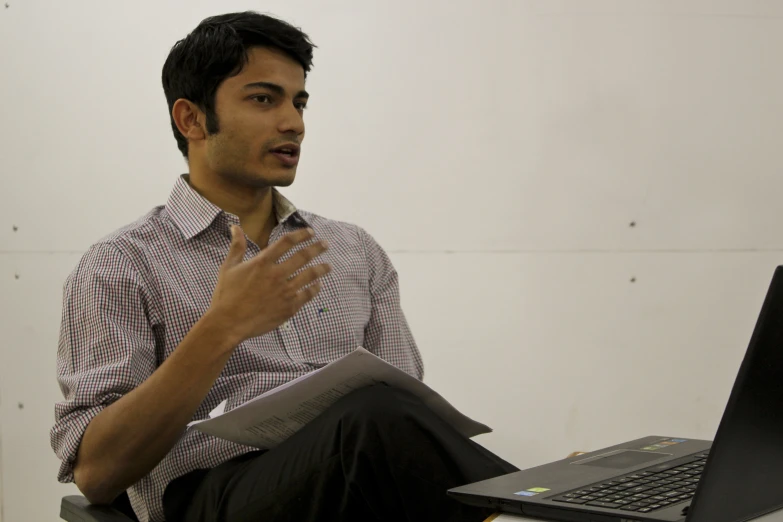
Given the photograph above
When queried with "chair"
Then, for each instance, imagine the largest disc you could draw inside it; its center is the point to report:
(76, 508)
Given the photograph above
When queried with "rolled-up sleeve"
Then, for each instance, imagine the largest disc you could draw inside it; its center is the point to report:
(106, 346)
(387, 333)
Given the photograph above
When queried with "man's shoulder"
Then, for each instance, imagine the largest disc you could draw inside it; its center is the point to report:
(330, 228)
(129, 243)
(348, 240)
(333, 227)
(146, 228)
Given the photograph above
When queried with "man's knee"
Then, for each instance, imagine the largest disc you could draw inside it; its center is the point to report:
(378, 404)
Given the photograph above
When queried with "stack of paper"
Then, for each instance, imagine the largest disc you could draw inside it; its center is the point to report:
(269, 419)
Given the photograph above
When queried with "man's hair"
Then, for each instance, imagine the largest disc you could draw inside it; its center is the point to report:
(218, 49)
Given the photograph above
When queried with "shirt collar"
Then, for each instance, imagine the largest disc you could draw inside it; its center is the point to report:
(193, 213)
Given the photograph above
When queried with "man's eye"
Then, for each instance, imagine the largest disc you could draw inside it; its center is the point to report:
(261, 97)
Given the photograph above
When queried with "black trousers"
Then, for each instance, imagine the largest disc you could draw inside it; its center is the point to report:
(378, 454)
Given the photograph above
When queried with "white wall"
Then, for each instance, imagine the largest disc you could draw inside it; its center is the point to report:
(498, 149)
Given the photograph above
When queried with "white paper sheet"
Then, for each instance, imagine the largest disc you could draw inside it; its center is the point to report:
(269, 419)
(219, 409)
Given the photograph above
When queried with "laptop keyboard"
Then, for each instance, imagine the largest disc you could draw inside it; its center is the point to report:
(642, 491)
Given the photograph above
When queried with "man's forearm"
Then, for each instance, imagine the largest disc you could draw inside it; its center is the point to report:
(129, 438)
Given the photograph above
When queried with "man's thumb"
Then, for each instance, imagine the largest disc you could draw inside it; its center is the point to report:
(236, 251)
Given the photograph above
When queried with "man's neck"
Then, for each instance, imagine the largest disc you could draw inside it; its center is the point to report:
(253, 206)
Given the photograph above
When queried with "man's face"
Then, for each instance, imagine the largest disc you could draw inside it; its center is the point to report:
(254, 119)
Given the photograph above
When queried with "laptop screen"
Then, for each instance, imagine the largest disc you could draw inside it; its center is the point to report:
(744, 473)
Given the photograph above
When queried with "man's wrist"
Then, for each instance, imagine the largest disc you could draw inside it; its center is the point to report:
(219, 327)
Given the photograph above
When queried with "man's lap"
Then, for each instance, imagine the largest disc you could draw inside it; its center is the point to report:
(307, 471)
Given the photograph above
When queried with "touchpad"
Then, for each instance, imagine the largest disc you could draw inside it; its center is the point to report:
(622, 459)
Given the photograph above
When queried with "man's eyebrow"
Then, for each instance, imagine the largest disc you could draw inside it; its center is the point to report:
(277, 89)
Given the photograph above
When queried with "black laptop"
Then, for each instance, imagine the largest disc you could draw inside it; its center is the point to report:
(665, 479)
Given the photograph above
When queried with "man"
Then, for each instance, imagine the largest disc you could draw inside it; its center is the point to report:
(228, 291)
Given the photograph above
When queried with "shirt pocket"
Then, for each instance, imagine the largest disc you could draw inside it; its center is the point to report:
(332, 324)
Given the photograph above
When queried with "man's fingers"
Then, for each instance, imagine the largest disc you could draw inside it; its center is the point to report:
(304, 296)
(304, 256)
(276, 250)
(307, 294)
(236, 251)
(310, 275)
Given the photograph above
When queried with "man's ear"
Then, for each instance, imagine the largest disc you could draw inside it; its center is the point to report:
(189, 120)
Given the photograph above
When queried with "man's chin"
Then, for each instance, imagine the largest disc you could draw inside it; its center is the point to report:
(283, 181)
(279, 175)
(269, 179)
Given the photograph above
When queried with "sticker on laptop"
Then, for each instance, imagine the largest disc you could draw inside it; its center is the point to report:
(531, 492)
(665, 443)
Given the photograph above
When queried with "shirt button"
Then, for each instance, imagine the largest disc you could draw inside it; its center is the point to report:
(286, 326)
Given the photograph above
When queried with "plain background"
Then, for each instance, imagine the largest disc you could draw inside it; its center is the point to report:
(582, 197)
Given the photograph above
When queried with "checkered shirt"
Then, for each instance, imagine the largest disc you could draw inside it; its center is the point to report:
(135, 294)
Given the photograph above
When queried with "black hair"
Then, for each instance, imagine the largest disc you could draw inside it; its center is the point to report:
(218, 49)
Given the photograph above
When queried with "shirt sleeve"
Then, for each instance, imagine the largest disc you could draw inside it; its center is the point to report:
(387, 333)
(106, 346)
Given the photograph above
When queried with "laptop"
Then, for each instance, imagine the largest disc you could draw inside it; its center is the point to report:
(737, 477)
